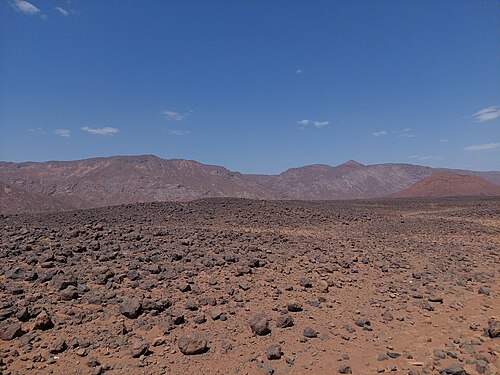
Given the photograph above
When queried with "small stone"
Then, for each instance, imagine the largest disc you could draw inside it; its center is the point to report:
(274, 352)
(184, 287)
(305, 282)
(131, 308)
(387, 316)
(200, 319)
(284, 321)
(59, 346)
(393, 354)
(140, 348)
(484, 290)
(310, 332)
(294, 306)
(345, 369)
(453, 369)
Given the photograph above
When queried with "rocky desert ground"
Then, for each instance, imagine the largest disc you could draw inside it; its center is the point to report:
(234, 286)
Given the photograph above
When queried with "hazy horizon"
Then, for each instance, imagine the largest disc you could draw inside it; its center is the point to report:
(255, 87)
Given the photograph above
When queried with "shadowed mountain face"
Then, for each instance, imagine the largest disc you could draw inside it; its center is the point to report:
(99, 182)
(445, 184)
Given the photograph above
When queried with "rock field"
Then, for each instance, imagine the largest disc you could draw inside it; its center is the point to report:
(232, 286)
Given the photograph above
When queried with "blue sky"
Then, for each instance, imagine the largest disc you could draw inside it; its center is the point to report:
(256, 86)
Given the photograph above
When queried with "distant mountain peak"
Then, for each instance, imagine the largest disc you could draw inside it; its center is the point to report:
(352, 163)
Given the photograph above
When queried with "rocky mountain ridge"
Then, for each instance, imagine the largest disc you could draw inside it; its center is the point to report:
(116, 180)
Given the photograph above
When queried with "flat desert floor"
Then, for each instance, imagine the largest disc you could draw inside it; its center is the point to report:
(228, 286)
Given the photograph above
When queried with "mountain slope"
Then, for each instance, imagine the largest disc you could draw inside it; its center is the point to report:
(14, 200)
(119, 180)
(350, 180)
(446, 184)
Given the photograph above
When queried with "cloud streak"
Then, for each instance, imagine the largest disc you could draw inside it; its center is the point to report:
(101, 131)
(63, 133)
(63, 11)
(180, 132)
(487, 114)
(175, 116)
(482, 147)
(315, 123)
(379, 133)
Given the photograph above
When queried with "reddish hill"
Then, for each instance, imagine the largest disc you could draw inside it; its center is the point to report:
(447, 184)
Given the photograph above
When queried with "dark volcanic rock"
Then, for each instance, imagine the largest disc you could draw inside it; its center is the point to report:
(131, 308)
(10, 330)
(274, 352)
(260, 325)
(310, 332)
(194, 343)
(284, 321)
(493, 329)
(294, 306)
(453, 369)
(43, 321)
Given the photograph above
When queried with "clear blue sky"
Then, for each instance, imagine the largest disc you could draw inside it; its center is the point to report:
(256, 86)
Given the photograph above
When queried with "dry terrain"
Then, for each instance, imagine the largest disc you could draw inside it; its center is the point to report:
(234, 286)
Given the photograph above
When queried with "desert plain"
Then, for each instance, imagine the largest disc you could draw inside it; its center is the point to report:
(236, 286)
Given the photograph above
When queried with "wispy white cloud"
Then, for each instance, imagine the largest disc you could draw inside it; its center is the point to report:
(483, 147)
(487, 114)
(63, 132)
(36, 130)
(315, 123)
(101, 131)
(425, 157)
(407, 133)
(180, 132)
(176, 116)
(63, 11)
(25, 7)
(443, 140)
(379, 133)
(66, 12)
(299, 71)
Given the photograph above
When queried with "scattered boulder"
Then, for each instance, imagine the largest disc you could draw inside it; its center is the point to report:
(310, 332)
(294, 306)
(260, 325)
(131, 308)
(274, 352)
(10, 330)
(43, 321)
(193, 343)
(453, 369)
(284, 321)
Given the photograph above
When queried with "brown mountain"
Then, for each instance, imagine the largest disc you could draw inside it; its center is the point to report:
(118, 180)
(14, 200)
(446, 184)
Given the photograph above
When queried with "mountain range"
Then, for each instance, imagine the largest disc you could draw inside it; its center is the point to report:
(99, 182)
